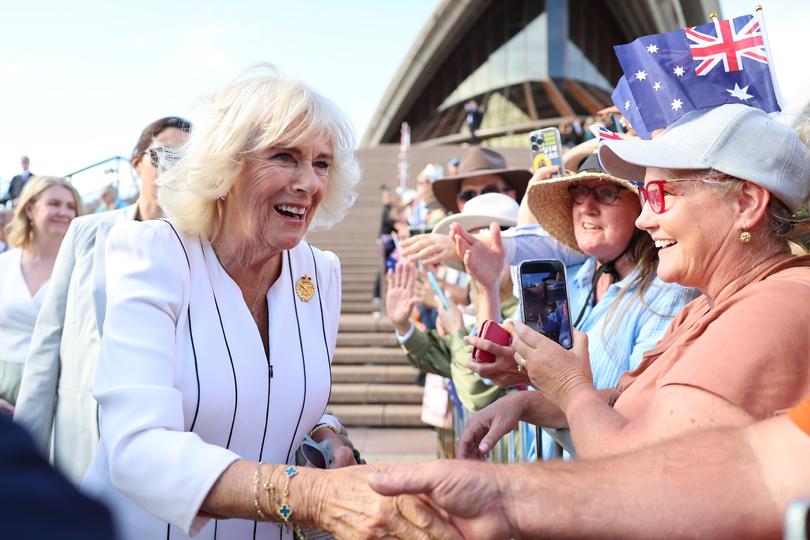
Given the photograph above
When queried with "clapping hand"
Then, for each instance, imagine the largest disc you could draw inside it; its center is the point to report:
(429, 248)
(484, 262)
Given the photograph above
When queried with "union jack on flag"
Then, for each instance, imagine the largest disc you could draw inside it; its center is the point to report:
(729, 46)
(603, 133)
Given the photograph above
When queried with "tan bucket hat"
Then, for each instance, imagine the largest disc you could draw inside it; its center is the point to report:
(551, 204)
(479, 161)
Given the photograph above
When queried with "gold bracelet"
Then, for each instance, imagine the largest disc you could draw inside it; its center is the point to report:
(330, 427)
(256, 502)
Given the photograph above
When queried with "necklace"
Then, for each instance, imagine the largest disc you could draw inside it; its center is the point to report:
(260, 288)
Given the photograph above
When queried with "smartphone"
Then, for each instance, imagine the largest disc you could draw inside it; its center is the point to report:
(434, 284)
(546, 148)
(491, 331)
(544, 300)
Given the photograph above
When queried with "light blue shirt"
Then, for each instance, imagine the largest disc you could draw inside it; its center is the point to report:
(617, 343)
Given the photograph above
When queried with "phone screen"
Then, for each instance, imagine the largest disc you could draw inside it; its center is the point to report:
(544, 300)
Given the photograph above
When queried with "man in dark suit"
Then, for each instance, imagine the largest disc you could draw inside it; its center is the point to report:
(37, 502)
(18, 182)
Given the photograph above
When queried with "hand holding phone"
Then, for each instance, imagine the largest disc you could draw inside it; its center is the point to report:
(546, 148)
(434, 284)
(491, 331)
(544, 300)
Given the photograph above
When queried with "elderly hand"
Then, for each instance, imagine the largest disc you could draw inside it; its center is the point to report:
(430, 248)
(350, 509)
(469, 492)
(487, 426)
(399, 297)
(557, 372)
(484, 263)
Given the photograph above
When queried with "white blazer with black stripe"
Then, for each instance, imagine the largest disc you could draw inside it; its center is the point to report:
(183, 383)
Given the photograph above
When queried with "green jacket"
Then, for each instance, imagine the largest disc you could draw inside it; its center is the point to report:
(448, 355)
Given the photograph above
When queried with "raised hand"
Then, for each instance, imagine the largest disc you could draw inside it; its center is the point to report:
(429, 248)
(484, 262)
(400, 297)
(450, 321)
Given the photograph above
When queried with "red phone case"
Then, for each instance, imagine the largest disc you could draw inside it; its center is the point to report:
(491, 331)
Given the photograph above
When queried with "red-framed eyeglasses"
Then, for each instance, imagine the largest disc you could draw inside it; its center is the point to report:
(654, 194)
(655, 190)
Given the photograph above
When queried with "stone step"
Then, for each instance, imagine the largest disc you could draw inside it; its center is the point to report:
(358, 307)
(361, 322)
(377, 374)
(395, 415)
(367, 339)
(357, 296)
(370, 355)
(367, 393)
(358, 286)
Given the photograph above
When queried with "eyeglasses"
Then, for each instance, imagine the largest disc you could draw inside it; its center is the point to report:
(655, 190)
(155, 155)
(605, 193)
(654, 194)
(468, 194)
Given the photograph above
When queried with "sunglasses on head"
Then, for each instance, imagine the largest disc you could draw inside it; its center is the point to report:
(468, 194)
(604, 193)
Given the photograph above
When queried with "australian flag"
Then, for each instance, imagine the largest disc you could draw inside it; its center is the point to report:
(668, 75)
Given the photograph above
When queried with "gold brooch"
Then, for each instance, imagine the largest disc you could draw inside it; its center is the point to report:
(304, 288)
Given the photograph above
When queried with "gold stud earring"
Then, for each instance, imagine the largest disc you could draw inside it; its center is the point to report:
(745, 237)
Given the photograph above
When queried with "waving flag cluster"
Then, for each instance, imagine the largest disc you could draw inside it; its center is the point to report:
(668, 75)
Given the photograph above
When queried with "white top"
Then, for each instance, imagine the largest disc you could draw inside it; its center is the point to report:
(183, 384)
(18, 309)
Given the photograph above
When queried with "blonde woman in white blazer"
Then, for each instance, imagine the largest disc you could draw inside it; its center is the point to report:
(56, 390)
(221, 324)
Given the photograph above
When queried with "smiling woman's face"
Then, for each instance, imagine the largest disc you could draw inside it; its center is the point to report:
(603, 231)
(279, 190)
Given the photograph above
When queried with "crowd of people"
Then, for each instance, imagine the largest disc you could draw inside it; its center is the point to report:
(172, 357)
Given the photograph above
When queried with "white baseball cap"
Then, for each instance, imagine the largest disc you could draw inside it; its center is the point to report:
(480, 211)
(735, 139)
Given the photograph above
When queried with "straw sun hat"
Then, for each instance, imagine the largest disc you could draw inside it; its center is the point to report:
(551, 204)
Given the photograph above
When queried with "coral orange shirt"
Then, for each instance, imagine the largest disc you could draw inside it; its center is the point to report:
(750, 348)
(801, 416)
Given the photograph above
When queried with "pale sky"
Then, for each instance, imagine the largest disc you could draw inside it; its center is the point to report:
(81, 79)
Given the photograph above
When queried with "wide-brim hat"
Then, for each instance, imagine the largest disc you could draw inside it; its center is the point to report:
(481, 211)
(479, 161)
(551, 204)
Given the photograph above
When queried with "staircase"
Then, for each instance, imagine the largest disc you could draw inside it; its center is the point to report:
(373, 385)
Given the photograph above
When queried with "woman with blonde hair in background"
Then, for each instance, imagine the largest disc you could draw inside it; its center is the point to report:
(43, 213)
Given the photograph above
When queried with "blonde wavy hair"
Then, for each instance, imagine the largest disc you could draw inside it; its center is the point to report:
(20, 231)
(251, 114)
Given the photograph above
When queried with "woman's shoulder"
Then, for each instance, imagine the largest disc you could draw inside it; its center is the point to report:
(322, 257)
(10, 258)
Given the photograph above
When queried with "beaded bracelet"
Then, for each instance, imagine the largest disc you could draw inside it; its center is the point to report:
(256, 503)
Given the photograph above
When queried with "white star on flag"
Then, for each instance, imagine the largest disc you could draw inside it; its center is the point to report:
(627, 105)
(657, 86)
(676, 104)
(641, 75)
(740, 93)
(652, 48)
(678, 71)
